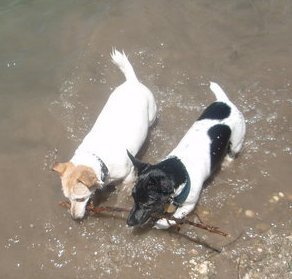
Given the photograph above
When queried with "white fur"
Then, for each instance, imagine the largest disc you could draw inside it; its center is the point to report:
(194, 152)
(122, 124)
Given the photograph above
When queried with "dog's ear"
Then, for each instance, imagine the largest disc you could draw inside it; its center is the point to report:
(139, 165)
(60, 168)
(88, 178)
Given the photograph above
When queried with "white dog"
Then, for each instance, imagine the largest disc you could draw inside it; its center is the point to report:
(174, 184)
(102, 157)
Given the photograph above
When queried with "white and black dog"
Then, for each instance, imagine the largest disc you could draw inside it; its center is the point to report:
(102, 157)
(174, 184)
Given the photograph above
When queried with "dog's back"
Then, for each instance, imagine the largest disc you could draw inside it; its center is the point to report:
(130, 110)
(219, 130)
(124, 120)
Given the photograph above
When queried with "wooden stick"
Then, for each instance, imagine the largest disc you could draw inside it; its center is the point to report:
(92, 210)
(200, 225)
(65, 204)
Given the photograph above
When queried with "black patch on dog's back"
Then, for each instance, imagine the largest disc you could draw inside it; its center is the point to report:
(216, 111)
(220, 136)
(175, 169)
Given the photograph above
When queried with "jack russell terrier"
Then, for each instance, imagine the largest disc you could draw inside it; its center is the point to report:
(173, 185)
(102, 157)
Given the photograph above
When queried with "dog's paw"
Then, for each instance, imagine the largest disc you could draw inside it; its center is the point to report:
(163, 224)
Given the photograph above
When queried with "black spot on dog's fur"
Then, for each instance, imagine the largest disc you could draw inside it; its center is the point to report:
(216, 111)
(220, 142)
(175, 169)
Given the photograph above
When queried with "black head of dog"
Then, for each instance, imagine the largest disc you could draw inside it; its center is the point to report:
(152, 190)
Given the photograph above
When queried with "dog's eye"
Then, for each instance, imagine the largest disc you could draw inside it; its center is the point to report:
(146, 206)
(151, 201)
(80, 199)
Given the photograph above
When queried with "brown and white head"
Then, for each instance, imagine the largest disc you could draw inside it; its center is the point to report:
(78, 184)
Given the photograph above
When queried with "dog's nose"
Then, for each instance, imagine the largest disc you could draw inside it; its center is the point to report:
(135, 217)
(76, 217)
(132, 219)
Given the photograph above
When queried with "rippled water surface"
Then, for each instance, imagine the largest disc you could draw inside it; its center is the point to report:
(55, 77)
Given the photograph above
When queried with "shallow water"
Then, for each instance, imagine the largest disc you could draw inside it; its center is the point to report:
(55, 77)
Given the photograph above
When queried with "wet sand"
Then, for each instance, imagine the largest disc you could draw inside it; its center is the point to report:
(55, 77)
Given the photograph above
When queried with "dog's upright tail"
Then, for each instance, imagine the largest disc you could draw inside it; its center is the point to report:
(218, 91)
(121, 60)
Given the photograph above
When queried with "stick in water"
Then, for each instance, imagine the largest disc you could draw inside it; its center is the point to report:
(92, 210)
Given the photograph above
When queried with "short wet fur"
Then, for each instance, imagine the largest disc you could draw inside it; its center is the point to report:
(218, 132)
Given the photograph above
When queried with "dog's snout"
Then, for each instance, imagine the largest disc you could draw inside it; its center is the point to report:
(131, 222)
(77, 210)
(132, 219)
(138, 217)
(76, 218)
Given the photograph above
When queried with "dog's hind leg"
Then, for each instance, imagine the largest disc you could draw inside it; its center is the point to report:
(230, 156)
(234, 148)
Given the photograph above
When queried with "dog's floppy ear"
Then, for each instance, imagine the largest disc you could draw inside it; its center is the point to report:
(60, 168)
(139, 165)
(88, 178)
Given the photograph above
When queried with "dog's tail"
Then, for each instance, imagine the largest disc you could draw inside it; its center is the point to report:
(121, 60)
(218, 91)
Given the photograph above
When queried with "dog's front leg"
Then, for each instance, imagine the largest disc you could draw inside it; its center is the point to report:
(128, 182)
(130, 178)
(183, 211)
